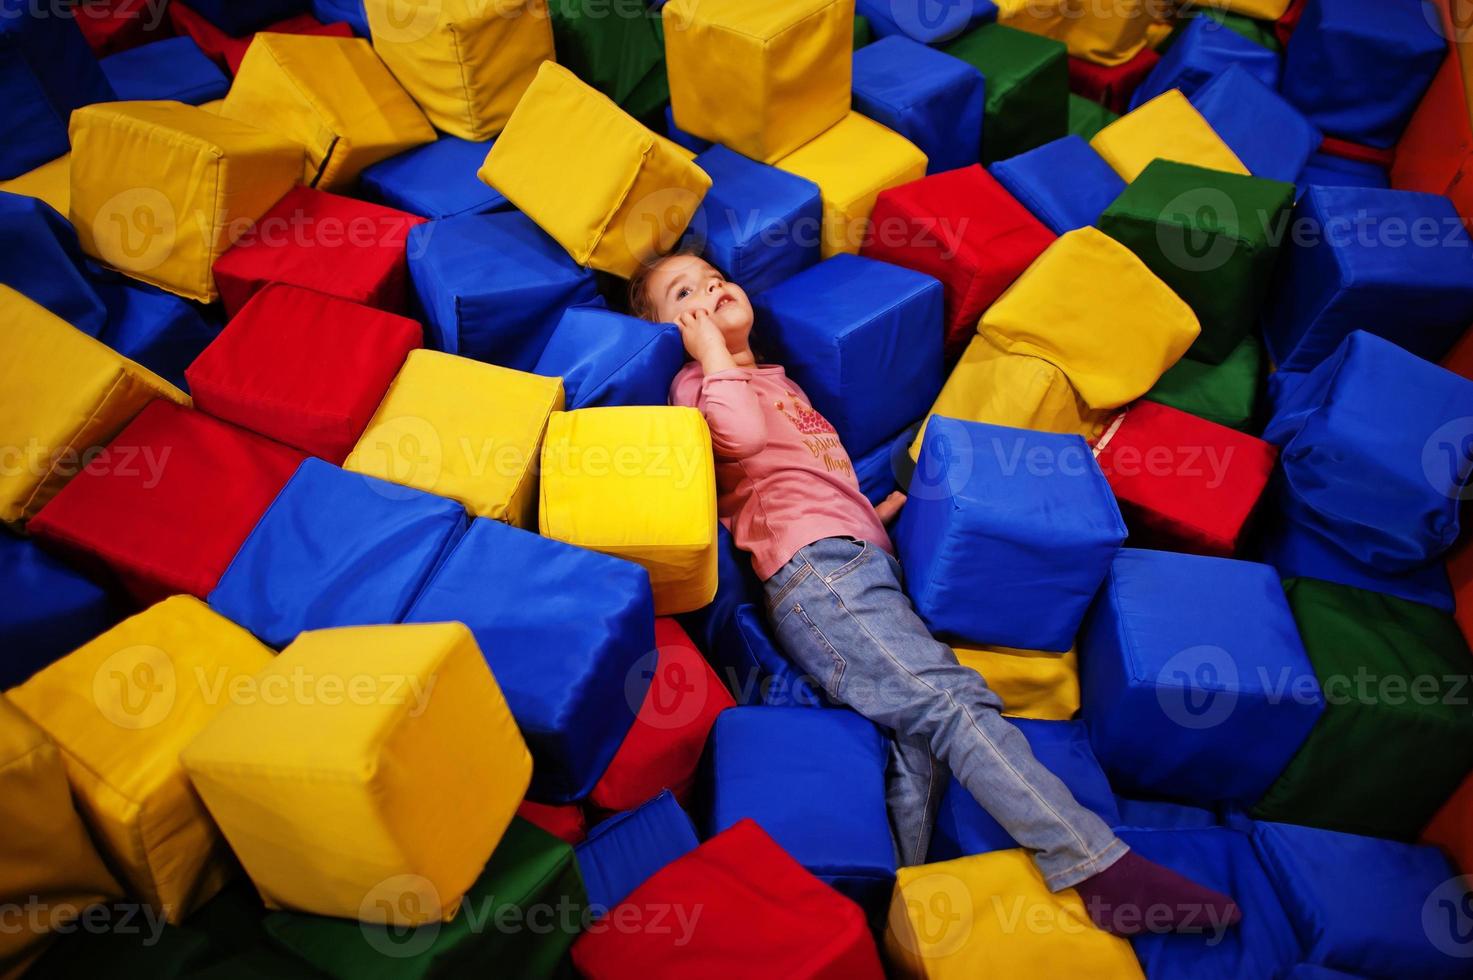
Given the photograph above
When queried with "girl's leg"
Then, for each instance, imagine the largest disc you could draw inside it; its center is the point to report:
(915, 783)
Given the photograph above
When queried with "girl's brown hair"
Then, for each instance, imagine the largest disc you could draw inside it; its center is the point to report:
(640, 302)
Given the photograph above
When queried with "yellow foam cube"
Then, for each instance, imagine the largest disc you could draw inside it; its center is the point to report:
(762, 77)
(1032, 683)
(160, 189)
(120, 708)
(466, 62)
(51, 182)
(638, 482)
(991, 915)
(1167, 128)
(46, 857)
(65, 394)
(1257, 9)
(1106, 34)
(607, 189)
(851, 163)
(332, 95)
(462, 429)
(370, 777)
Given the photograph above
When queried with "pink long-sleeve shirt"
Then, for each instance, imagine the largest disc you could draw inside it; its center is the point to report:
(783, 478)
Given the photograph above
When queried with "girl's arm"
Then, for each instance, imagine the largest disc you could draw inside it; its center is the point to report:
(724, 395)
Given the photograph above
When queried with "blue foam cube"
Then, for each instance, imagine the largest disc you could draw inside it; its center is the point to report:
(50, 609)
(1324, 170)
(925, 95)
(44, 262)
(1369, 907)
(1266, 132)
(1007, 534)
(925, 20)
(46, 71)
(1296, 550)
(876, 471)
(569, 635)
(174, 69)
(863, 339)
(691, 142)
(1396, 263)
(241, 17)
(335, 549)
(758, 224)
(1034, 178)
(963, 825)
(493, 286)
(436, 180)
(1200, 51)
(622, 852)
(815, 781)
(1193, 678)
(157, 329)
(1357, 68)
(607, 358)
(1264, 944)
(350, 12)
(1162, 815)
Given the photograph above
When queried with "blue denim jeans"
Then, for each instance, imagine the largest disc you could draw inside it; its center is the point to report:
(842, 617)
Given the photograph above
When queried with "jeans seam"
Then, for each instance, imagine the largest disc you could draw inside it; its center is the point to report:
(789, 586)
(839, 664)
(865, 549)
(1090, 862)
(927, 814)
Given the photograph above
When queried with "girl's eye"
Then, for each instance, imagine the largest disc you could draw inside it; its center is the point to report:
(682, 292)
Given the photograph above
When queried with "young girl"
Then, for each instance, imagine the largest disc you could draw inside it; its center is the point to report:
(788, 494)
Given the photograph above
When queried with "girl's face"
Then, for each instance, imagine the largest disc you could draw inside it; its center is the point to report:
(684, 283)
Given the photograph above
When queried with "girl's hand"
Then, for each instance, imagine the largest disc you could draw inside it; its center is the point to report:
(886, 509)
(703, 341)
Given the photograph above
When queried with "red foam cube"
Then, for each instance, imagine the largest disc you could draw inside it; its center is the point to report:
(963, 228)
(1184, 483)
(336, 245)
(302, 367)
(1111, 85)
(227, 51)
(562, 820)
(167, 504)
(664, 745)
(761, 914)
(111, 26)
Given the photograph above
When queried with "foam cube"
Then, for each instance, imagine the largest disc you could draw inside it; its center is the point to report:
(757, 224)
(1161, 815)
(1086, 118)
(166, 505)
(1167, 127)
(964, 229)
(1199, 52)
(493, 286)
(862, 338)
(1297, 550)
(573, 682)
(51, 182)
(118, 25)
(1323, 170)
(915, 20)
(636, 482)
(44, 263)
(932, 99)
(1264, 944)
(465, 63)
(1225, 393)
(1416, 293)
(49, 72)
(67, 396)
(1393, 672)
(831, 819)
(964, 827)
(229, 50)
(562, 134)
(763, 77)
(665, 743)
(852, 163)
(368, 824)
(607, 358)
(1270, 136)
(437, 180)
(621, 853)
(120, 709)
(53, 609)
(1195, 683)
(174, 68)
(1449, 827)
(159, 190)
(1106, 35)
(1110, 86)
(1183, 483)
(960, 919)
(760, 911)
(1023, 498)
(46, 856)
(1325, 73)
(157, 329)
(350, 12)
(565, 821)
(1212, 237)
(1027, 87)
(335, 549)
(464, 430)
(293, 83)
(876, 471)
(315, 388)
(237, 18)
(1375, 907)
(1400, 511)
(623, 56)
(1036, 684)
(530, 874)
(1033, 178)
